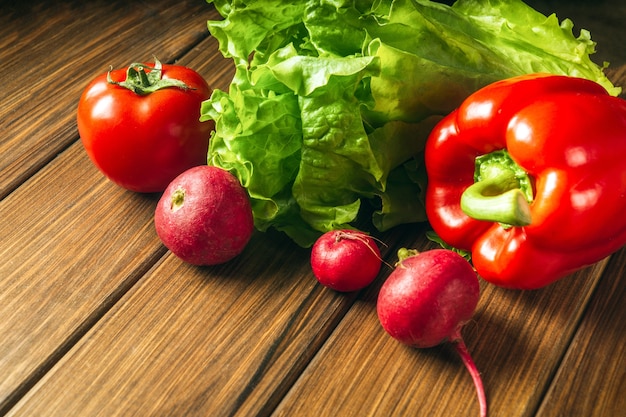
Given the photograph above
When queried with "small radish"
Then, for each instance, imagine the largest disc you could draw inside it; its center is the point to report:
(345, 260)
(204, 216)
(427, 299)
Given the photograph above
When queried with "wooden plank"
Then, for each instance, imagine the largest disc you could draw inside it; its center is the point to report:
(591, 381)
(231, 339)
(50, 51)
(72, 242)
(186, 333)
(516, 338)
(214, 340)
(191, 341)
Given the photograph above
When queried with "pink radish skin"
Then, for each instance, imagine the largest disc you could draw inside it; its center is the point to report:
(345, 260)
(204, 216)
(427, 299)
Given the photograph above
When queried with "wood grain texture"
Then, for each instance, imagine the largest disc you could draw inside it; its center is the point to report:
(51, 51)
(220, 341)
(72, 244)
(591, 381)
(516, 339)
(172, 348)
(97, 320)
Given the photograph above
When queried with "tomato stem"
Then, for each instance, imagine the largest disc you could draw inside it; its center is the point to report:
(142, 79)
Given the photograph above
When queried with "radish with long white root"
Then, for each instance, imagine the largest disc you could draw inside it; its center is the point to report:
(427, 299)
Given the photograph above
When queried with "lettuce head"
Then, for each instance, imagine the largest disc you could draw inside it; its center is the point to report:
(332, 100)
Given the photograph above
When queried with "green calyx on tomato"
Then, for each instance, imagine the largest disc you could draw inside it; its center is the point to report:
(142, 79)
(145, 135)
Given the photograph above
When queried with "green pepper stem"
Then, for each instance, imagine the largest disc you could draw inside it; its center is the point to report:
(497, 199)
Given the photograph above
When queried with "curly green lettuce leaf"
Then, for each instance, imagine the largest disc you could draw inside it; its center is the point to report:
(332, 100)
(532, 42)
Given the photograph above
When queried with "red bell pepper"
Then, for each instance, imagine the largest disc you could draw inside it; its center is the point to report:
(529, 175)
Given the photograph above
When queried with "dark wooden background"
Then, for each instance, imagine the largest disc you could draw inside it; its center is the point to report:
(98, 319)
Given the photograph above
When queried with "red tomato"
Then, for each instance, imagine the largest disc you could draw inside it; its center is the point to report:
(142, 140)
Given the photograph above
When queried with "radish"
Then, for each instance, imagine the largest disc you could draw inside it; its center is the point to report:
(204, 216)
(427, 299)
(345, 260)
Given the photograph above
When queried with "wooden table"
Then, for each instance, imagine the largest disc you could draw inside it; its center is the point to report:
(98, 319)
